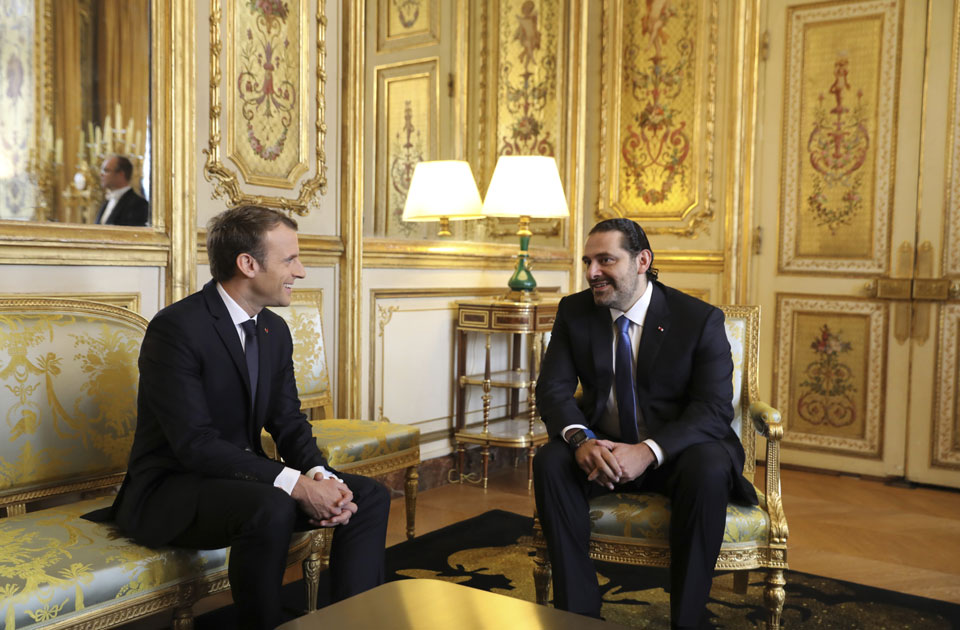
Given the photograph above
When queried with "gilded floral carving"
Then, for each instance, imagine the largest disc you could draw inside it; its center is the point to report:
(826, 399)
(527, 82)
(264, 86)
(838, 147)
(407, 151)
(658, 74)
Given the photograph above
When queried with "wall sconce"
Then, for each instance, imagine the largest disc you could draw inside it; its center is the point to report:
(442, 190)
(525, 187)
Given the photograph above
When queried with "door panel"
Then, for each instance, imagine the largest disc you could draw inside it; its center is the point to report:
(933, 454)
(837, 178)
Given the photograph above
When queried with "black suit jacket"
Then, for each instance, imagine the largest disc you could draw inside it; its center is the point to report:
(684, 373)
(131, 209)
(194, 418)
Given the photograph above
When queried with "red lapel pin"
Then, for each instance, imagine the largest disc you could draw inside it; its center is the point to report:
(266, 330)
(660, 328)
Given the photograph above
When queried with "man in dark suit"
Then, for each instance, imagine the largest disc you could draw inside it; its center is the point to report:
(215, 368)
(656, 375)
(122, 205)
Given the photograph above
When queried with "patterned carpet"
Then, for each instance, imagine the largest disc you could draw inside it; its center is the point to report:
(493, 552)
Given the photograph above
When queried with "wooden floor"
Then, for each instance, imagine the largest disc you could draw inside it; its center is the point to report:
(842, 527)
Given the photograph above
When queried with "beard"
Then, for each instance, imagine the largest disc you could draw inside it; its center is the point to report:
(615, 293)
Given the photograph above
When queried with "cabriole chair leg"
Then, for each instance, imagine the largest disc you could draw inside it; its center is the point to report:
(773, 597)
(541, 575)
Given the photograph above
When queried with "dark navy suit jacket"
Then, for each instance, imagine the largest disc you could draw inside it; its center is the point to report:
(684, 373)
(131, 209)
(194, 417)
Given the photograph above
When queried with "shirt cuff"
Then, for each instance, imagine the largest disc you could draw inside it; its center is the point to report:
(563, 432)
(288, 477)
(657, 451)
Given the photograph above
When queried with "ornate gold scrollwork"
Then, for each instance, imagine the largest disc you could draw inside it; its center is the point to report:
(225, 181)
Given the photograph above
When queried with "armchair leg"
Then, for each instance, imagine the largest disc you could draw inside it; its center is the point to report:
(773, 597)
(541, 575)
(314, 563)
(410, 497)
(183, 618)
(741, 579)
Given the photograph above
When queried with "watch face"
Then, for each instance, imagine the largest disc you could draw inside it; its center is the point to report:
(578, 438)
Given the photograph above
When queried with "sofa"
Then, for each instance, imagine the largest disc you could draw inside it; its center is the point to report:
(68, 394)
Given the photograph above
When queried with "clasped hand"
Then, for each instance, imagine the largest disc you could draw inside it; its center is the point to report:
(608, 463)
(327, 502)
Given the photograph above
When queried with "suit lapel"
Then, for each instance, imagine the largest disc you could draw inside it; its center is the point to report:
(601, 342)
(227, 331)
(655, 327)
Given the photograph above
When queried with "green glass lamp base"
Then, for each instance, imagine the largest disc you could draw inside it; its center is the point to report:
(522, 280)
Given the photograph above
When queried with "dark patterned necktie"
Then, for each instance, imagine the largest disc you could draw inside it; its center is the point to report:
(626, 387)
(252, 351)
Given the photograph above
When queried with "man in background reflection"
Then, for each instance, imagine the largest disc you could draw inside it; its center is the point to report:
(122, 205)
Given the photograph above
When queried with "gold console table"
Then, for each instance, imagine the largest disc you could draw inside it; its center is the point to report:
(522, 320)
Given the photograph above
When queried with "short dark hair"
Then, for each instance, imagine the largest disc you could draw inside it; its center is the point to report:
(633, 239)
(238, 231)
(125, 165)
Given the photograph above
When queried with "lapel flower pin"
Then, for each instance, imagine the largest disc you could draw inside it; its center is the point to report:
(660, 328)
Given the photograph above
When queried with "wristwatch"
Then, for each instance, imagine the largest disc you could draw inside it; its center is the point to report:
(579, 437)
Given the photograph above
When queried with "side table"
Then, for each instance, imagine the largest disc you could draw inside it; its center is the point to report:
(523, 321)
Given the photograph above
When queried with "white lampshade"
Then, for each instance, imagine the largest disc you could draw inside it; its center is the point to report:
(443, 189)
(525, 185)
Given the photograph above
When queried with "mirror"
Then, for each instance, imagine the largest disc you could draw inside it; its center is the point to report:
(75, 111)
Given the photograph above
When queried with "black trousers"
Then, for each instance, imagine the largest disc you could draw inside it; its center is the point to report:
(257, 522)
(698, 483)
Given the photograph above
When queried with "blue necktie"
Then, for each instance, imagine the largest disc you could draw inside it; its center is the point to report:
(626, 387)
(253, 355)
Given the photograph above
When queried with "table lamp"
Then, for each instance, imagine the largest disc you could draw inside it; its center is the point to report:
(526, 187)
(442, 190)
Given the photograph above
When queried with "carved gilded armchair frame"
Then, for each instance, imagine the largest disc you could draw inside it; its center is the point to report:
(769, 554)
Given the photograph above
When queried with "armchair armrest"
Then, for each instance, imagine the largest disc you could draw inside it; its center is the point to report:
(767, 421)
(764, 418)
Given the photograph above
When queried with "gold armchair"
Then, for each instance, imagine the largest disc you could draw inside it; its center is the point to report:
(361, 447)
(630, 528)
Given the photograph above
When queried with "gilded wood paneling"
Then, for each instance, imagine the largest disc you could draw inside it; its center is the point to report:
(267, 114)
(839, 136)
(408, 117)
(830, 372)
(950, 245)
(266, 48)
(945, 446)
(658, 100)
(407, 23)
(526, 62)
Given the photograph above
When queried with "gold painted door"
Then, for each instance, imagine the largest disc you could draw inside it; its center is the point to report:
(852, 237)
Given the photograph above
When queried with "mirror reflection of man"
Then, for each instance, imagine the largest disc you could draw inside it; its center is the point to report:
(122, 205)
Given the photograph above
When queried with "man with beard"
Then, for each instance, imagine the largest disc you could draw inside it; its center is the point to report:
(655, 369)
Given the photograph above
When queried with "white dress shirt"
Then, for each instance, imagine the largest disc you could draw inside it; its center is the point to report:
(113, 196)
(637, 314)
(288, 477)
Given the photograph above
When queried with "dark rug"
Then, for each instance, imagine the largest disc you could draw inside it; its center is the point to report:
(493, 552)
